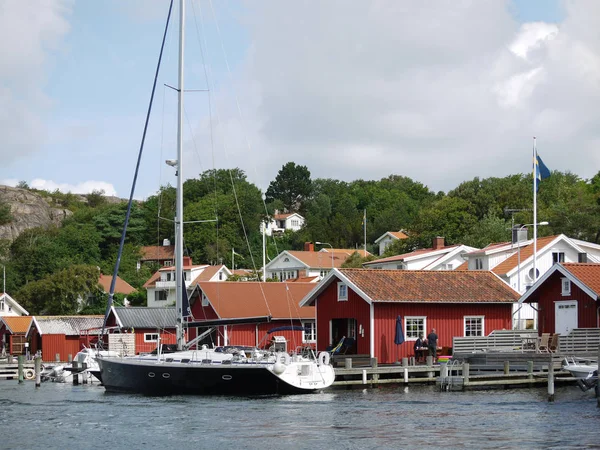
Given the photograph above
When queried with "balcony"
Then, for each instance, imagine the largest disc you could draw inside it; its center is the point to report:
(165, 285)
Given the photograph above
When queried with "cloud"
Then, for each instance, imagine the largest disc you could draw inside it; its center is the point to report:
(29, 33)
(440, 92)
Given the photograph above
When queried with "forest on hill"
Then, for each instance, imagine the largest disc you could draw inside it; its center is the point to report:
(41, 263)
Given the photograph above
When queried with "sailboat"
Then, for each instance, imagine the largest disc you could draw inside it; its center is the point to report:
(208, 371)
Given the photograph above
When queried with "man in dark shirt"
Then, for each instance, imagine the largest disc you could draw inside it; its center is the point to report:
(432, 339)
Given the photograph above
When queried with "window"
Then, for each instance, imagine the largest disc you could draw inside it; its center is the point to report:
(220, 276)
(342, 292)
(446, 266)
(323, 273)
(310, 332)
(168, 263)
(401, 266)
(415, 327)
(478, 264)
(558, 257)
(204, 300)
(474, 326)
(150, 337)
(160, 295)
(566, 286)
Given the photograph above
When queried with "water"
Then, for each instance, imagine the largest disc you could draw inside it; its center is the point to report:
(85, 417)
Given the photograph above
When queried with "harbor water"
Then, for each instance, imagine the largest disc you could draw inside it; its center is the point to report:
(86, 417)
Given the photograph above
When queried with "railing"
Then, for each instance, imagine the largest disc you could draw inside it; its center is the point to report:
(497, 340)
(165, 284)
(580, 340)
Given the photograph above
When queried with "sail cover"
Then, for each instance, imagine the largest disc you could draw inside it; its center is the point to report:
(186, 311)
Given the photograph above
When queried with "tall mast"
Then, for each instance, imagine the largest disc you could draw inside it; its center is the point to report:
(179, 200)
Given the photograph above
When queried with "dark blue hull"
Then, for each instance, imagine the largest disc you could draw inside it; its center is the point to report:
(148, 378)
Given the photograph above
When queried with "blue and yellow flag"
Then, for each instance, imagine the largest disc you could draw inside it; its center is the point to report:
(540, 170)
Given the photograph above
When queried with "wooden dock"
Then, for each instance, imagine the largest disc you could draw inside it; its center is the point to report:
(11, 371)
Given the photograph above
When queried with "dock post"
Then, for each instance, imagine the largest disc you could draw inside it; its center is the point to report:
(430, 364)
(85, 373)
(20, 369)
(506, 367)
(10, 359)
(404, 362)
(364, 376)
(348, 363)
(465, 373)
(38, 371)
(551, 380)
(57, 357)
(374, 366)
(75, 365)
(530, 369)
(69, 358)
(406, 375)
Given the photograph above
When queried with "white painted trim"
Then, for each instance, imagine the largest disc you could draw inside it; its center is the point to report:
(372, 330)
(478, 316)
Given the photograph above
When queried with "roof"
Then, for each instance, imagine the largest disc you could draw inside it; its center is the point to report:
(254, 299)
(303, 280)
(588, 274)
(152, 280)
(157, 252)
(67, 325)
(348, 251)
(439, 286)
(16, 324)
(208, 273)
(526, 252)
(416, 253)
(319, 259)
(394, 234)
(145, 317)
(121, 286)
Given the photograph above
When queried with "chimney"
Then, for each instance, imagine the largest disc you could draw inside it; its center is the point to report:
(166, 242)
(187, 261)
(519, 234)
(438, 242)
(309, 247)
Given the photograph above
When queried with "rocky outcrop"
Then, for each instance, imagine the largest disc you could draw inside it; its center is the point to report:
(28, 210)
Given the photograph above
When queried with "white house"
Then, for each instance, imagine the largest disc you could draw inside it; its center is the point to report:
(10, 307)
(281, 222)
(438, 257)
(513, 262)
(292, 265)
(387, 238)
(161, 286)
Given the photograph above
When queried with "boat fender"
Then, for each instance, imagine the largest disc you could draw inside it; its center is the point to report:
(29, 374)
(278, 368)
(324, 358)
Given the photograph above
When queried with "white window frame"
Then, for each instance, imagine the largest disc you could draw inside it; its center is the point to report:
(151, 337)
(465, 318)
(157, 295)
(342, 292)
(205, 301)
(565, 285)
(558, 257)
(414, 335)
(478, 264)
(309, 337)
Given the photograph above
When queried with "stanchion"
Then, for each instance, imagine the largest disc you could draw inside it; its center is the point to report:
(20, 367)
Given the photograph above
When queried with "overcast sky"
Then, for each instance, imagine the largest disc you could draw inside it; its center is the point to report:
(439, 91)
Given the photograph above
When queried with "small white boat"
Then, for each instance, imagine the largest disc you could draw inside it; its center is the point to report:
(62, 373)
(580, 369)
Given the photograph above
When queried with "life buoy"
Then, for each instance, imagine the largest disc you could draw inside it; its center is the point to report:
(324, 358)
(29, 374)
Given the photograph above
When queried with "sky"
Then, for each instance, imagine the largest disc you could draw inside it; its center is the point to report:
(439, 91)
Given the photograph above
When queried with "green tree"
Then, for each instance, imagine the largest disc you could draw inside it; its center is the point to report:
(61, 293)
(96, 198)
(292, 186)
(5, 215)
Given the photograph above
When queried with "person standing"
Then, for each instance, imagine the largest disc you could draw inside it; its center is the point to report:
(432, 339)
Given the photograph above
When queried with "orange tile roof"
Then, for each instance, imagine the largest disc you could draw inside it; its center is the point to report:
(349, 251)
(527, 251)
(419, 252)
(16, 324)
(121, 286)
(320, 259)
(431, 286)
(587, 273)
(153, 279)
(463, 266)
(302, 280)
(398, 234)
(282, 216)
(157, 252)
(250, 299)
(207, 273)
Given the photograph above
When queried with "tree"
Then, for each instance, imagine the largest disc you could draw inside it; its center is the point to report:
(292, 186)
(62, 292)
(5, 215)
(96, 198)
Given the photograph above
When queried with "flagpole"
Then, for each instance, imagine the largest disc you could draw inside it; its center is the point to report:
(535, 182)
(365, 231)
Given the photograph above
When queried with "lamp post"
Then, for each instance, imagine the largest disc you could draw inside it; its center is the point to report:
(519, 263)
(330, 246)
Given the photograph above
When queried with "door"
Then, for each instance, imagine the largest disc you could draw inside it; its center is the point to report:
(565, 315)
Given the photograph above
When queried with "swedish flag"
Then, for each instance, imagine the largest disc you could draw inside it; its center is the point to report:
(541, 171)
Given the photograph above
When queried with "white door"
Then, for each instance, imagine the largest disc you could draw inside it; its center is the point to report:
(565, 315)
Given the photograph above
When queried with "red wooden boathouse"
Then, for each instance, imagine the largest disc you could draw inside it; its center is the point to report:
(364, 304)
(567, 297)
(12, 334)
(246, 300)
